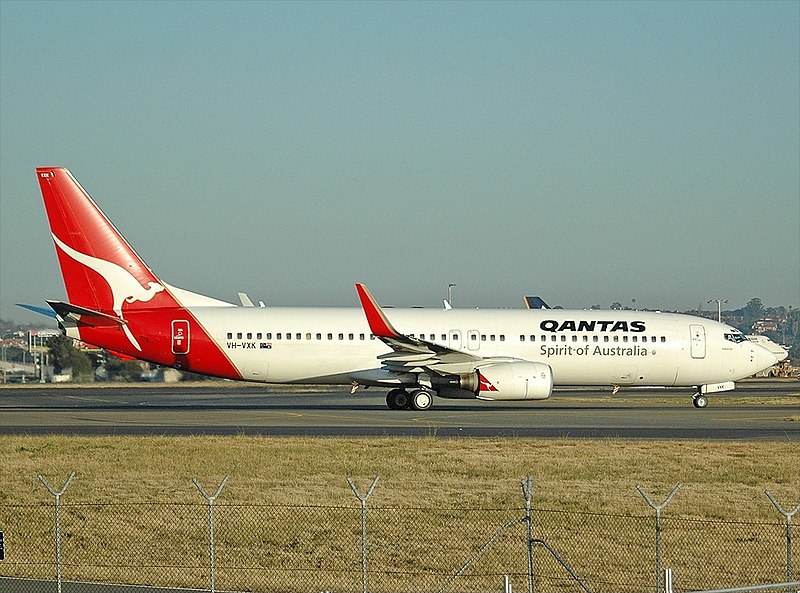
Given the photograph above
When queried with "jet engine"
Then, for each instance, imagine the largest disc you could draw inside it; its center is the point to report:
(514, 380)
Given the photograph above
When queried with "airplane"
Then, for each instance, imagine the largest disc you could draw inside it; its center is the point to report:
(116, 302)
(780, 352)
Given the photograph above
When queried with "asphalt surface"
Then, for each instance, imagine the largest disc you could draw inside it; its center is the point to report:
(766, 410)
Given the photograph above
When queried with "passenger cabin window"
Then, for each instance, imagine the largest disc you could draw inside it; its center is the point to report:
(230, 336)
(249, 335)
(239, 336)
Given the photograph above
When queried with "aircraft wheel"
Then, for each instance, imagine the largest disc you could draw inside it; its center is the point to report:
(421, 399)
(700, 401)
(397, 399)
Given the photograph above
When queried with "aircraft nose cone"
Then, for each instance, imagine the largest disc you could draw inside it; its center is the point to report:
(765, 358)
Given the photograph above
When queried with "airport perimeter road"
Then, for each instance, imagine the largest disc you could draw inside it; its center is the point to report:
(759, 410)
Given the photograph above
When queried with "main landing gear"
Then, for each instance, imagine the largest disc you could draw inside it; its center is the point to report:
(699, 400)
(418, 399)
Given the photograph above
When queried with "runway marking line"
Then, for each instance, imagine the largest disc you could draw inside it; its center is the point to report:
(93, 399)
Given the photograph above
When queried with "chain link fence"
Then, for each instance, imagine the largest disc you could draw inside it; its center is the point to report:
(210, 545)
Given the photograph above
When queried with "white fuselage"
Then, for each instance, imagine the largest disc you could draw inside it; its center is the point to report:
(334, 345)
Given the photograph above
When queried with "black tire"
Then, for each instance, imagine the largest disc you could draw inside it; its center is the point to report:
(397, 399)
(700, 401)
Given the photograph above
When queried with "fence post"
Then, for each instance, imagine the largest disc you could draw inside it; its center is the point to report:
(658, 508)
(363, 498)
(668, 580)
(788, 515)
(57, 494)
(211, 500)
(527, 492)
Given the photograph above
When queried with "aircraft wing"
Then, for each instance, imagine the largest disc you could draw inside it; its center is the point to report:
(411, 354)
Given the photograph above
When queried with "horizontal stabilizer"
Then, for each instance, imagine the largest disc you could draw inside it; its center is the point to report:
(40, 310)
(83, 316)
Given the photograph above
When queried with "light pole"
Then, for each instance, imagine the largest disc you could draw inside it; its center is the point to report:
(719, 307)
(450, 286)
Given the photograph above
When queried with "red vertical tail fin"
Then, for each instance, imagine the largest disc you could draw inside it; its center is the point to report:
(115, 300)
(101, 270)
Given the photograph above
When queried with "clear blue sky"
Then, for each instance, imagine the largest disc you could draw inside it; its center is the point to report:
(585, 152)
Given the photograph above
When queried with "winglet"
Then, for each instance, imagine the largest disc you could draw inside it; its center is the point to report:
(378, 323)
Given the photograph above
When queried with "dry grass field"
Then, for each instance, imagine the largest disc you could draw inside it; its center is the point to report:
(288, 520)
(720, 479)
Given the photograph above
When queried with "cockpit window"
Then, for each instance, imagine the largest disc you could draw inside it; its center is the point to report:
(735, 337)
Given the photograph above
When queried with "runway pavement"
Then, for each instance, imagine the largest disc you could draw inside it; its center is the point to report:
(756, 410)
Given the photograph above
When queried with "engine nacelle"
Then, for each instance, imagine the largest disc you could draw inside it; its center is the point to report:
(514, 380)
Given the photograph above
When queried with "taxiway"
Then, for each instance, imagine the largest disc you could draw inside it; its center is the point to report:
(758, 410)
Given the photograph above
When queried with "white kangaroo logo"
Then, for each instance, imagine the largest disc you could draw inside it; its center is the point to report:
(124, 286)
